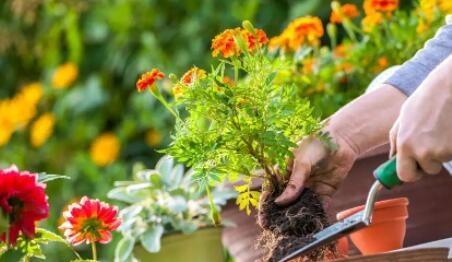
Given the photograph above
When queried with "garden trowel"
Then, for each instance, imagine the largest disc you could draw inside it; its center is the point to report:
(386, 176)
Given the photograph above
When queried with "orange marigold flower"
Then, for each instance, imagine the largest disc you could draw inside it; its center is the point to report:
(345, 67)
(304, 29)
(255, 40)
(371, 20)
(384, 6)
(225, 44)
(281, 41)
(193, 75)
(228, 81)
(90, 221)
(349, 11)
(308, 65)
(148, 79)
(341, 50)
(382, 63)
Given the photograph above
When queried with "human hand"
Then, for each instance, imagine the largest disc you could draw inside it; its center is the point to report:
(319, 168)
(421, 137)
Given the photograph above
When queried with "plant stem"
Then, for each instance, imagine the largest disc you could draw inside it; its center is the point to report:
(93, 246)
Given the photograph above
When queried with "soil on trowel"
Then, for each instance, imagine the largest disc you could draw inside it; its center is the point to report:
(288, 228)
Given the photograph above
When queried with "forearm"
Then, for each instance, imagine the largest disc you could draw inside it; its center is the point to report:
(365, 122)
(413, 72)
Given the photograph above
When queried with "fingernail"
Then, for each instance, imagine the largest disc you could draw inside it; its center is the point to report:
(281, 198)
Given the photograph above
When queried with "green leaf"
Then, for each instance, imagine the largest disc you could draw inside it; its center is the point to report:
(12, 255)
(124, 249)
(44, 177)
(50, 236)
(150, 239)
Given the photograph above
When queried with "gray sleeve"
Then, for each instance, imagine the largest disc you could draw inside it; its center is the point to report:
(413, 72)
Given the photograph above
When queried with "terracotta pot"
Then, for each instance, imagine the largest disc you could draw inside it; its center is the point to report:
(343, 246)
(387, 230)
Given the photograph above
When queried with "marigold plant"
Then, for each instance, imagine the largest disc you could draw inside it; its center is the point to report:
(230, 131)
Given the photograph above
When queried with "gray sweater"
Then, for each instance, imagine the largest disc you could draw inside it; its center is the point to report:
(413, 72)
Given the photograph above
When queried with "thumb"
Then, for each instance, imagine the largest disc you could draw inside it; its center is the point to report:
(294, 188)
(393, 139)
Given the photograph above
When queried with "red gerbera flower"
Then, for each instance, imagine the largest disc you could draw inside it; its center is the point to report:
(23, 200)
(148, 79)
(90, 221)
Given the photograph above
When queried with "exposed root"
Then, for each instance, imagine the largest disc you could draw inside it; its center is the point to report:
(286, 229)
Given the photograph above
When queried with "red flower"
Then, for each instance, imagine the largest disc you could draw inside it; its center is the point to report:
(90, 221)
(23, 200)
(148, 79)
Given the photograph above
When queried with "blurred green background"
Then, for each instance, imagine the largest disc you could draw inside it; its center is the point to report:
(110, 43)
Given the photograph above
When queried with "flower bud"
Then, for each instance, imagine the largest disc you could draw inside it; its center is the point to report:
(249, 26)
(336, 6)
(241, 43)
(172, 77)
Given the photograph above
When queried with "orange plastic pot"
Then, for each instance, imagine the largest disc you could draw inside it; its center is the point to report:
(387, 230)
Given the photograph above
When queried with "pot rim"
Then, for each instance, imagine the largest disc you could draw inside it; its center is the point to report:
(387, 203)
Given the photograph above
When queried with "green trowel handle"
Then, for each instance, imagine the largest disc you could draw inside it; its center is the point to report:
(386, 173)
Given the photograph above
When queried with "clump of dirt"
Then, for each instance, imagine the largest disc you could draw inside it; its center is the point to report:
(285, 229)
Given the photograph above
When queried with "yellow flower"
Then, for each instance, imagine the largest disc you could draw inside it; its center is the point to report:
(428, 8)
(422, 27)
(371, 20)
(42, 129)
(153, 138)
(105, 149)
(23, 106)
(32, 93)
(445, 6)
(6, 124)
(64, 75)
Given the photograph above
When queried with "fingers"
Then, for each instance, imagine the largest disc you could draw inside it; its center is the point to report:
(295, 186)
(407, 168)
(430, 166)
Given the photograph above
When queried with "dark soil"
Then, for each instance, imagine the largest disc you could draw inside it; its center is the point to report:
(285, 229)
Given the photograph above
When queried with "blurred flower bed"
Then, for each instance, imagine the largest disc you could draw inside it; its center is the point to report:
(69, 67)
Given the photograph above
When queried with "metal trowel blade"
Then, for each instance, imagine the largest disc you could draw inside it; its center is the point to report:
(331, 233)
